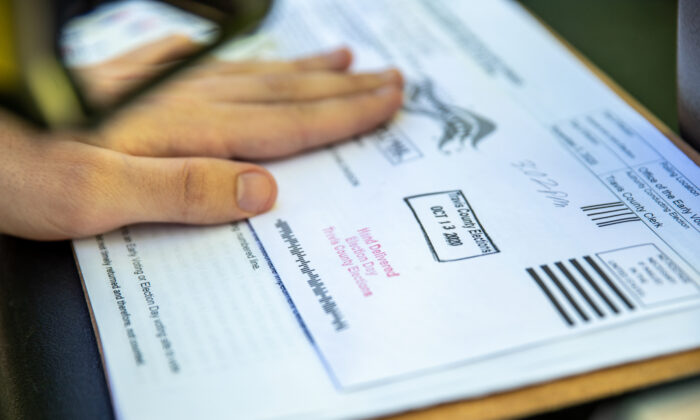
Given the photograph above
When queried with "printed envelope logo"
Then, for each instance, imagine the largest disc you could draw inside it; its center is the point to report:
(460, 127)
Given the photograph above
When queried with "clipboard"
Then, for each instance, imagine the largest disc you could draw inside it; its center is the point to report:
(590, 386)
(576, 389)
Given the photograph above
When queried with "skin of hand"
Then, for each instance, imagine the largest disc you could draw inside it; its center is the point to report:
(168, 157)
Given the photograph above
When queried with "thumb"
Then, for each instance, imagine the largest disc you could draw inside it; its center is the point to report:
(188, 190)
(52, 188)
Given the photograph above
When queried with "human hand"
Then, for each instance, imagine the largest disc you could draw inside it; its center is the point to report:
(165, 159)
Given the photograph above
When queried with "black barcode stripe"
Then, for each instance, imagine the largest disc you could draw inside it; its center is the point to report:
(565, 292)
(580, 289)
(593, 284)
(615, 222)
(614, 215)
(607, 211)
(619, 213)
(607, 280)
(602, 206)
(549, 295)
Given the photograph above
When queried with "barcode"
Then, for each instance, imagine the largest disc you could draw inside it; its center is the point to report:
(580, 291)
(608, 214)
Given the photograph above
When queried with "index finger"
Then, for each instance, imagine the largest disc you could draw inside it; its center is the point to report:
(336, 60)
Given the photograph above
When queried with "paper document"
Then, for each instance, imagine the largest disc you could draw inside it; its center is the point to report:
(467, 227)
(516, 222)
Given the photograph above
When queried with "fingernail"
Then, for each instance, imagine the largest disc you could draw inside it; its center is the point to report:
(392, 76)
(339, 56)
(386, 90)
(254, 192)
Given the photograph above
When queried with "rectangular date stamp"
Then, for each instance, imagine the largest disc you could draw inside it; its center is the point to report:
(450, 226)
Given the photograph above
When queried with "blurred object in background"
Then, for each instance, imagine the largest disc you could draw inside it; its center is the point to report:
(633, 41)
(101, 49)
(115, 28)
(689, 72)
(679, 401)
(51, 79)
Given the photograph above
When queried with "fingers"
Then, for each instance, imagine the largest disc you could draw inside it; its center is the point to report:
(188, 190)
(250, 131)
(146, 61)
(284, 87)
(54, 188)
(285, 130)
(168, 49)
(281, 109)
(336, 60)
(106, 82)
(80, 190)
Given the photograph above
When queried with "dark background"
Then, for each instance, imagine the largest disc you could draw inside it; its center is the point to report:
(49, 362)
(633, 41)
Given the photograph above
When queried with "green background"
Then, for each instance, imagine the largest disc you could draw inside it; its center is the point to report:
(633, 41)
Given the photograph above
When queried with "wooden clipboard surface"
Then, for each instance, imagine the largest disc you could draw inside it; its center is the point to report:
(589, 386)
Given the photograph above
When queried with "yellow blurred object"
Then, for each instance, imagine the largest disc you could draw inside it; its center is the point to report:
(9, 71)
(37, 81)
(50, 87)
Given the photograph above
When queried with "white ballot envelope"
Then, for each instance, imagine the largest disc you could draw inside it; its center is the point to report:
(516, 222)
